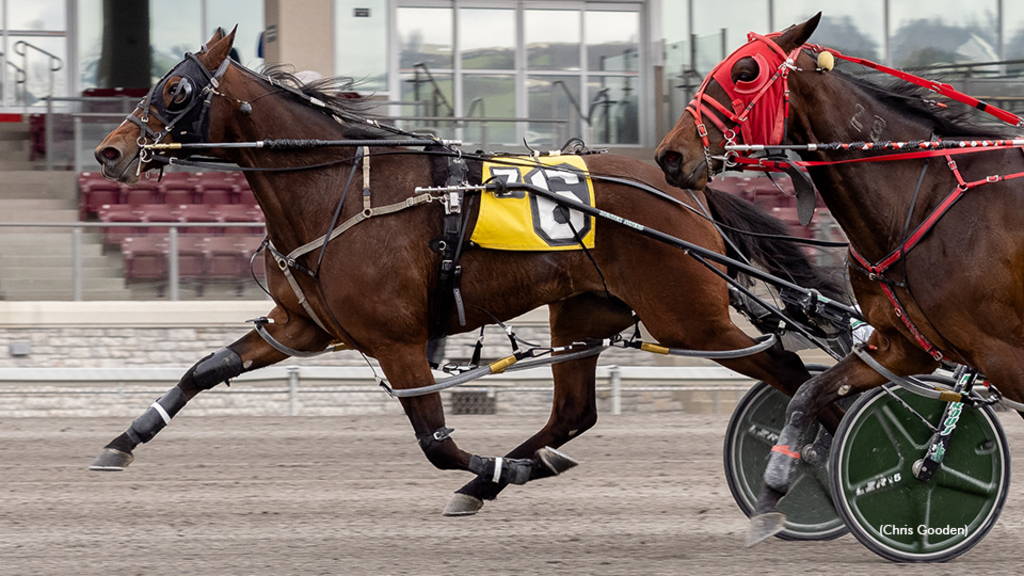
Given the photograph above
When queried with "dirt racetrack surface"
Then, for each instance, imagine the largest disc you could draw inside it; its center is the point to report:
(354, 495)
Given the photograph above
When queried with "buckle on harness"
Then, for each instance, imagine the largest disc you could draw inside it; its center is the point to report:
(453, 203)
(702, 131)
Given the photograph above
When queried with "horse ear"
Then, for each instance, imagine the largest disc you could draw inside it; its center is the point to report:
(220, 50)
(217, 35)
(798, 34)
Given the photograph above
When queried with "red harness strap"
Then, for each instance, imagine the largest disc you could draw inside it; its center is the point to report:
(876, 270)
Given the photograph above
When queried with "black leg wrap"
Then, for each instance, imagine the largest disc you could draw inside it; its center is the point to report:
(157, 416)
(784, 455)
(218, 367)
(439, 435)
(501, 470)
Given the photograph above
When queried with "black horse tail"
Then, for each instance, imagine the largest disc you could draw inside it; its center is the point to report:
(766, 248)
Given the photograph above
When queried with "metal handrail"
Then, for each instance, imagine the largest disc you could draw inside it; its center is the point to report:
(23, 52)
(20, 78)
(53, 57)
(436, 94)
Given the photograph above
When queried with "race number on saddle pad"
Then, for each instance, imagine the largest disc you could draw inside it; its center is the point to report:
(521, 221)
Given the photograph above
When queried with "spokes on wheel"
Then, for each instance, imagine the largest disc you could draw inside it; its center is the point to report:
(897, 515)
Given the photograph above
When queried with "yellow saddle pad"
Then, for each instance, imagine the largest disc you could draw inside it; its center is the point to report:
(521, 221)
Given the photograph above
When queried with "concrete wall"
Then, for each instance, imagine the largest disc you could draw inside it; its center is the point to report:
(113, 358)
(303, 34)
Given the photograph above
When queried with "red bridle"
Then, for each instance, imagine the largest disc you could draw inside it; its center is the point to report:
(764, 124)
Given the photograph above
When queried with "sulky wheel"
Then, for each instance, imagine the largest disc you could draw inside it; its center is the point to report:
(753, 429)
(886, 507)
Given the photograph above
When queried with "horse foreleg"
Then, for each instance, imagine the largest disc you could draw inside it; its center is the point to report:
(245, 354)
(850, 376)
(574, 406)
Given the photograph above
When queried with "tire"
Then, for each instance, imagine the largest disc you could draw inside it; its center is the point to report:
(753, 429)
(887, 508)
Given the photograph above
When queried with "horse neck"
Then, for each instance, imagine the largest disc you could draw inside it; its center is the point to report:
(296, 204)
(870, 201)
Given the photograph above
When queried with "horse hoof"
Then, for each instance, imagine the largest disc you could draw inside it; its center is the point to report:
(111, 460)
(555, 460)
(463, 505)
(764, 526)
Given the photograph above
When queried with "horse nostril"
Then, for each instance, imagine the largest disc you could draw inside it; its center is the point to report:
(670, 160)
(111, 153)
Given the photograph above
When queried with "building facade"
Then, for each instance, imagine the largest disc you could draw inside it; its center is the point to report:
(617, 73)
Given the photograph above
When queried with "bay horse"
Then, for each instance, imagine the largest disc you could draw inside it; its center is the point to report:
(946, 231)
(375, 291)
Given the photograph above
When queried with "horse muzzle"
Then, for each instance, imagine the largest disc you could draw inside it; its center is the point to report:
(116, 164)
(679, 173)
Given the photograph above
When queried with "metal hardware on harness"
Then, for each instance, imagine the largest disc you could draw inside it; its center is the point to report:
(439, 435)
(366, 178)
(764, 342)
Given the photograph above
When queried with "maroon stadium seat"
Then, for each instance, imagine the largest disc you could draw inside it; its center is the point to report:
(226, 258)
(95, 191)
(193, 255)
(199, 213)
(239, 213)
(140, 196)
(119, 213)
(216, 188)
(145, 257)
(159, 213)
(177, 195)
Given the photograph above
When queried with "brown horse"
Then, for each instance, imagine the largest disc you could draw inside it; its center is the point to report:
(961, 285)
(375, 290)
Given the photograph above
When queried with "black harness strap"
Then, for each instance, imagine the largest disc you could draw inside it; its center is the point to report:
(447, 293)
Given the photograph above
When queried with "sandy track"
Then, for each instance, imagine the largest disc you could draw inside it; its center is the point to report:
(354, 495)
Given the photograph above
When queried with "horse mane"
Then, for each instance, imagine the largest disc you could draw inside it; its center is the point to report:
(338, 92)
(957, 120)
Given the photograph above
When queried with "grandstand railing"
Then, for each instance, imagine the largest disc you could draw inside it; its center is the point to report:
(77, 229)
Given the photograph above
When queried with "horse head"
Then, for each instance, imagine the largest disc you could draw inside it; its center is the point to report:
(743, 100)
(177, 109)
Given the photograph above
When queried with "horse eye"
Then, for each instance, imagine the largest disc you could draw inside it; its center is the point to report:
(746, 70)
(181, 92)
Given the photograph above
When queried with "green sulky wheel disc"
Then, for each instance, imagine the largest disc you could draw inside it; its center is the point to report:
(753, 429)
(887, 508)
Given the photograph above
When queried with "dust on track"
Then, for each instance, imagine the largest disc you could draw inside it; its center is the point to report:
(354, 495)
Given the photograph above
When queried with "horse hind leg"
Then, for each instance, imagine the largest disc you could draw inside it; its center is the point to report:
(574, 405)
(248, 353)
